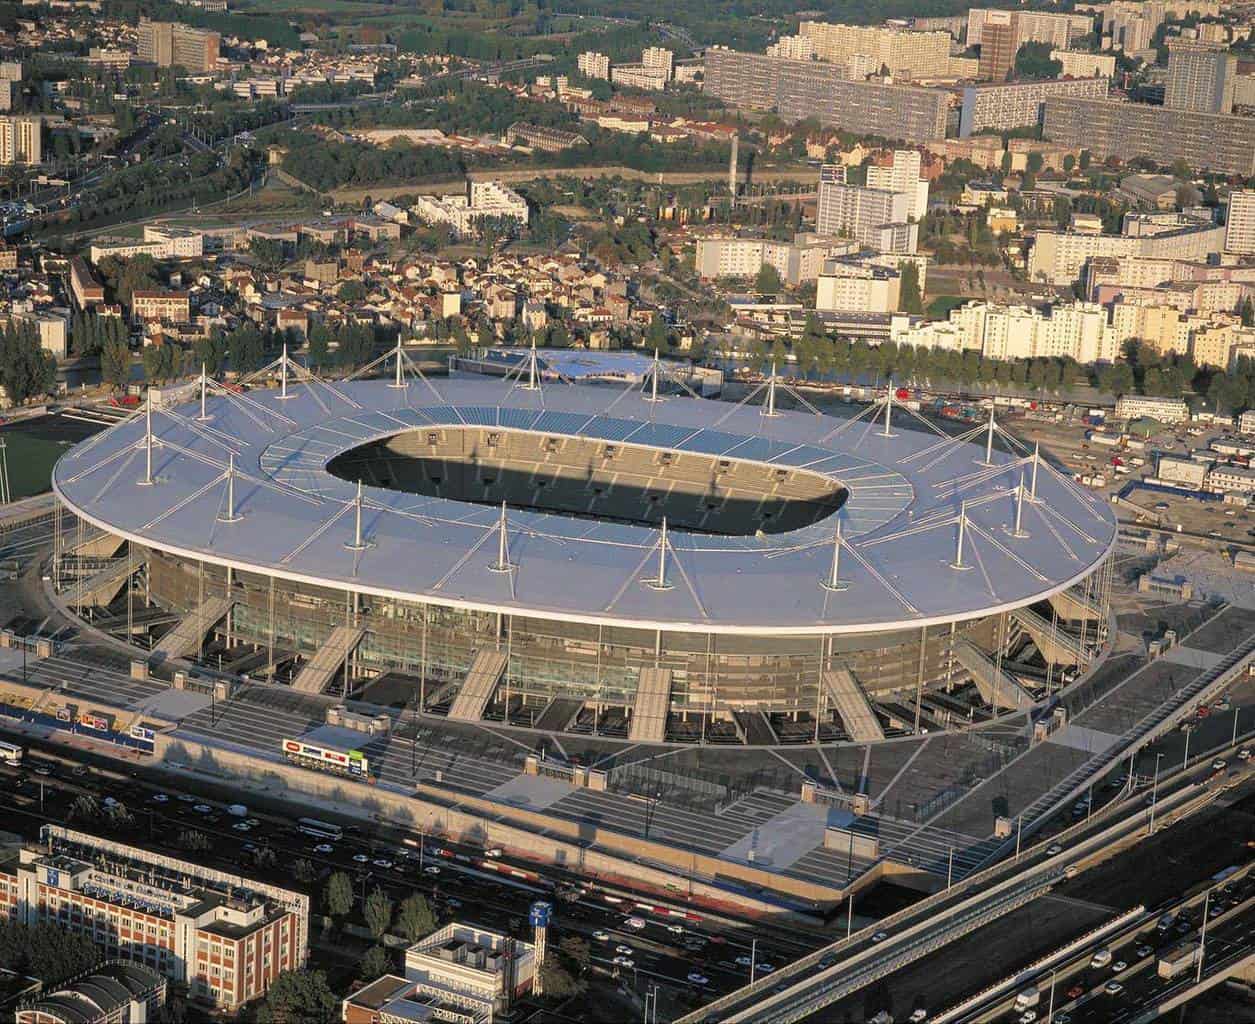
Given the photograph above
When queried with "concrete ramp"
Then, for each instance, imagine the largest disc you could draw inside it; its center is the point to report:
(653, 701)
(852, 705)
(99, 589)
(996, 687)
(1072, 607)
(316, 674)
(1056, 645)
(480, 683)
(181, 641)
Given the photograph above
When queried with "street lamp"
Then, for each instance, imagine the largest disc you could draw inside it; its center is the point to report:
(1154, 796)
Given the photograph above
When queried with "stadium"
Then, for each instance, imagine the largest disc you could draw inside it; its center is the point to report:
(631, 563)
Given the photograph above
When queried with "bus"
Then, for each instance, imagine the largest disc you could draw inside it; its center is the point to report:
(10, 753)
(320, 829)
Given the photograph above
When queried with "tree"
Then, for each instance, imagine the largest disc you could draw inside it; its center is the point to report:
(1033, 60)
(909, 298)
(26, 369)
(352, 291)
(576, 950)
(375, 963)
(84, 808)
(414, 918)
(115, 364)
(558, 982)
(303, 870)
(210, 352)
(768, 282)
(52, 954)
(193, 841)
(319, 345)
(378, 912)
(339, 894)
(299, 996)
(1069, 163)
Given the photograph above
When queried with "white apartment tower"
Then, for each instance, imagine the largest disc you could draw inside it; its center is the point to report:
(903, 175)
(659, 58)
(20, 141)
(1239, 234)
(592, 64)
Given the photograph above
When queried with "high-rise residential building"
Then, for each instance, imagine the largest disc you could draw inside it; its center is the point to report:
(225, 936)
(903, 175)
(801, 89)
(660, 59)
(171, 44)
(20, 140)
(999, 43)
(1239, 236)
(905, 53)
(1058, 30)
(874, 217)
(1082, 64)
(592, 64)
(1200, 77)
(1130, 25)
(1006, 105)
(1216, 142)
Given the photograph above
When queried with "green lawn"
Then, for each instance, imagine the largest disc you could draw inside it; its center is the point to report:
(939, 308)
(30, 462)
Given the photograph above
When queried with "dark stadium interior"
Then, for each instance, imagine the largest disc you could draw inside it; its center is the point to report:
(588, 477)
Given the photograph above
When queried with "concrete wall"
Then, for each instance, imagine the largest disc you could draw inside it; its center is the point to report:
(567, 844)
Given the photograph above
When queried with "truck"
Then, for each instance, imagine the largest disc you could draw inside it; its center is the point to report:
(1027, 998)
(1178, 959)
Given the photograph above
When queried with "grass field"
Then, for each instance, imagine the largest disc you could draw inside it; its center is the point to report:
(30, 462)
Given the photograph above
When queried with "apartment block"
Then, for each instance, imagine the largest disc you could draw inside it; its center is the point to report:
(853, 286)
(85, 289)
(592, 64)
(160, 305)
(905, 53)
(1200, 77)
(903, 175)
(1215, 142)
(999, 43)
(172, 44)
(21, 140)
(659, 59)
(1058, 30)
(1059, 257)
(462, 213)
(1018, 104)
(874, 217)
(797, 47)
(1080, 64)
(801, 89)
(226, 936)
(1076, 330)
(1239, 234)
(797, 261)
(637, 76)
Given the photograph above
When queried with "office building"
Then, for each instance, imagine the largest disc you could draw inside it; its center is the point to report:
(1200, 77)
(171, 44)
(226, 936)
(1239, 237)
(903, 175)
(906, 54)
(1008, 105)
(800, 89)
(21, 140)
(1000, 41)
(1220, 143)
(115, 992)
(1165, 410)
(874, 217)
(1082, 64)
(1057, 30)
(659, 59)
(592, 64)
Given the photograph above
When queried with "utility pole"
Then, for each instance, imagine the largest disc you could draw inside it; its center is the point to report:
(1154, 796)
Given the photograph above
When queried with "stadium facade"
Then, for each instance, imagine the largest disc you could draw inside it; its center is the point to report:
(651, 567)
